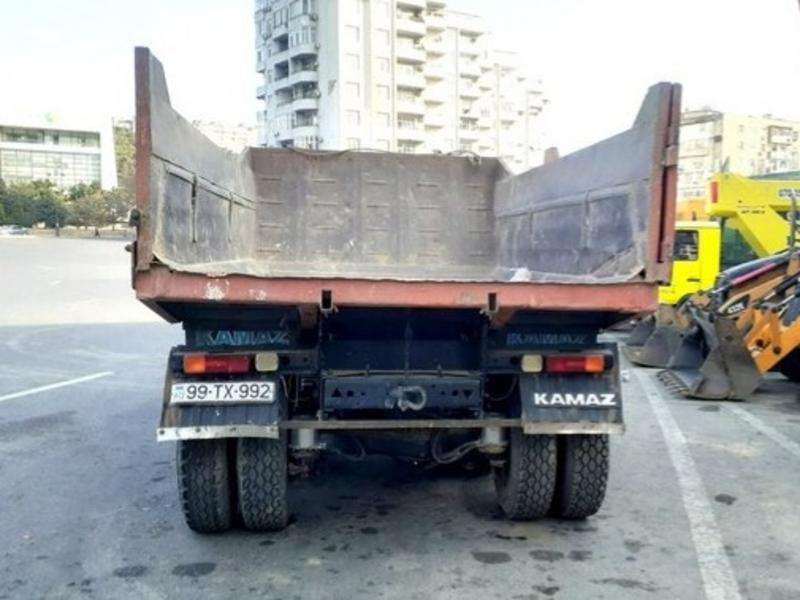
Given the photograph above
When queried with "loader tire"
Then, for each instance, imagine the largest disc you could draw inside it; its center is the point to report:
(583, 464)
(203, 485)
(526, 483)
(261, 469)
(789, 367)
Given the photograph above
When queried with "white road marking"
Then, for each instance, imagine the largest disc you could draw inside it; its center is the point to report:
(715, 569)
(775, 435)
(53, 386)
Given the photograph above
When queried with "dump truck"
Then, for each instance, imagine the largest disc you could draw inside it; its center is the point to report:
(428, 307)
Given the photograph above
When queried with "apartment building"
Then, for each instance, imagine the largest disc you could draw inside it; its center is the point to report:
(233, 137)
(712, 141)
(64, 152)
(392, 75)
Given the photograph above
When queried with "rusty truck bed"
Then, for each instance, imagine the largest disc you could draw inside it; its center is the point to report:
(591, 231)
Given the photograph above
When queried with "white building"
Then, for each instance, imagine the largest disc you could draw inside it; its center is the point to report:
(399, 75)
(225, 135)
(66, 153)
(712, 141)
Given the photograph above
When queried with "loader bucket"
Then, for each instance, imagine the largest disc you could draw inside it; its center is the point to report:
(655, 339)
(658, 348)
(643, 330)
(728, 371)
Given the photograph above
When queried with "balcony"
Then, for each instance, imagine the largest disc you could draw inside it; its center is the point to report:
(469, 134)
(308, 103)
(415, 133)
(435, 119)
(413, 80)
(307, 49)
(280, 31)
(284, 83)
(304, 131)
(436, 46)
(411, 53)
(410, 26)
(410, 107)
(435, 22)
(306, 75)
(469, 90)
(412, 4)
(434, 95)
(469, 69)
(261, 92)
(469, 49)
(434, 71)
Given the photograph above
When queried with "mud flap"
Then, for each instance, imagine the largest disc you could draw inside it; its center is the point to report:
(571, 404)
(203, 422)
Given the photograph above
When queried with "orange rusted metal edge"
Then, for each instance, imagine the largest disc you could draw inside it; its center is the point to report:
(160, 285)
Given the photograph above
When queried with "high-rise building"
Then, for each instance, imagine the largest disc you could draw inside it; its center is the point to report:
(712, 141)
(392, 75)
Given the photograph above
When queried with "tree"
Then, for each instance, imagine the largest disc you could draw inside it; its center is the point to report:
(90, 211)
(118, 203)
(125, 151)
(81, 190)
(2, 201)
(34, 202)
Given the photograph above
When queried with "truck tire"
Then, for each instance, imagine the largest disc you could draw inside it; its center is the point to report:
(261, 469)
(583, 462)
(203, 485)
(526, 483)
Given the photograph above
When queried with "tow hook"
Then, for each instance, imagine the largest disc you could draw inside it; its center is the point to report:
(407, 397)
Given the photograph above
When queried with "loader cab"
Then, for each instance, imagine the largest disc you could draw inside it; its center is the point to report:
(695, 260)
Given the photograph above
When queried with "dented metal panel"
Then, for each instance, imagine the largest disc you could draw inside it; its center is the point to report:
(598, 216)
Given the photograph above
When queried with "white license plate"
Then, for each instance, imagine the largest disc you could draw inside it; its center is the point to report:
(203, 392)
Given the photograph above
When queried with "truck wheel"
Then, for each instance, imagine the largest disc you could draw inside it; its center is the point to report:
(582, 475)
(526, 483)
(262, 481)
(203, 484)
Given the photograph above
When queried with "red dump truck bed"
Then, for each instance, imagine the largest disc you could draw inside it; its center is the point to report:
(591, 231)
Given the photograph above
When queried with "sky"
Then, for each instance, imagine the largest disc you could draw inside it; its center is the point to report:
(596, 58)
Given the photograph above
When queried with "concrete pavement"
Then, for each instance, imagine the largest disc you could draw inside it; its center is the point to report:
(702, 507)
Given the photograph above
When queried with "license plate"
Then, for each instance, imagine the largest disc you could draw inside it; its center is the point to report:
(202, 392)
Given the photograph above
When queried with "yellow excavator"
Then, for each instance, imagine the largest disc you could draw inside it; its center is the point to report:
(717, 343)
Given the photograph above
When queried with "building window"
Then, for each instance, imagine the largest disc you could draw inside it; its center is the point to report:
(353, 62)
(353, 118)
(383, 65)
(384, 119)
(382, 39)
(353, 90)
(406, 147)
(383, 92)
(382, 145)
(353, 143)
(353, 34)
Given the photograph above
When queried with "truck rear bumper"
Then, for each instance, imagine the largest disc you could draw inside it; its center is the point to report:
(206, 432)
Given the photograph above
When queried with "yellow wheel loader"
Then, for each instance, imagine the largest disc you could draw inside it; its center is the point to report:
(702, 340)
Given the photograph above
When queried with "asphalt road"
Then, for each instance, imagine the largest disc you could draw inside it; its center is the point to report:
(702, 502)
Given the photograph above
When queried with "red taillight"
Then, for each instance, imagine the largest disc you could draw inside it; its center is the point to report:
(714, 192)
(588, 363)
(197, 364)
